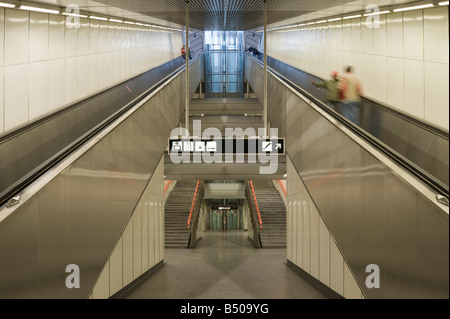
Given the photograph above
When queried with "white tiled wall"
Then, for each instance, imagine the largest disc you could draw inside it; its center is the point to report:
(404, 63)
(309, 244)
(142, 243)
(45, 64)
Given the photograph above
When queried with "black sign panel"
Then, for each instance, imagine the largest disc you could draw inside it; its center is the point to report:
(228, 146)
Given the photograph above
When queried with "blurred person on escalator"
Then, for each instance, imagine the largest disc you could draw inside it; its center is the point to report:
(332, 87)
(351, 91)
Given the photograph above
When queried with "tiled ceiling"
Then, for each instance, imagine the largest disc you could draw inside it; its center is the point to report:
(223, 14)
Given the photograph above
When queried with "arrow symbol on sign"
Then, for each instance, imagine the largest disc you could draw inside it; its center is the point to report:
(278, 146)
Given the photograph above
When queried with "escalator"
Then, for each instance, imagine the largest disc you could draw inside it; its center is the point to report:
(379, 190)
(418, 145)
(89, 180)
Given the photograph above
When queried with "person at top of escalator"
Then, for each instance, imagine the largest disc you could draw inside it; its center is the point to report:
(332, 87)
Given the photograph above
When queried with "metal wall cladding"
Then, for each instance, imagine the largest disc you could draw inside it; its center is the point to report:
(375, 216)
(78, 217)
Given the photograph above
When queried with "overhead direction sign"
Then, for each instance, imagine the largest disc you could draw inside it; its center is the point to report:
(241, 146)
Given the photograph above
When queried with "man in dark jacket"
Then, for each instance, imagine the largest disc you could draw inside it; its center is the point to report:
(332, 87)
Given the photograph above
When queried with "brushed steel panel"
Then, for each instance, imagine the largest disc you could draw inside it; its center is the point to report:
(373, 223)
(19, 255)
(401, 241)
(433, 251)
(54, 239)
(81, 250)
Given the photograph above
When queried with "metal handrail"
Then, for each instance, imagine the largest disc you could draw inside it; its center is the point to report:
(253, 217)
(194, 213)
(255, 202)
(282, 187)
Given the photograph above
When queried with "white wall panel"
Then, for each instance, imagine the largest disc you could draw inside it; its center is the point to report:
(379, 88)
(356, 35)
(94, 36)
(289, 232)
(380, 37)
(296, 237)
(39, 89)
(145, 235)
(367, 38)
(116, 268)
(395, 82)
(2, 36)
(16, 95)
(314, 242)
(414, 96)
(70, 40)
(16, 36)
(101, 290)
(437, 93)
(151, 231)
(38, 37)
(2, 98)
(137, 241)
(127, 254)
(413, 35)
(436, 35)
(83, 76)
(161, 228)
(56, 41)
(71, 79)
(83, 37)
(395, 35)
(94, 73)
(103, 36)
(306, 247)
(324, 253)
(367, 78)
(56, 83)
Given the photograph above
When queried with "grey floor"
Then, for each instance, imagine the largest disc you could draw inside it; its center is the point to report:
(225, 266)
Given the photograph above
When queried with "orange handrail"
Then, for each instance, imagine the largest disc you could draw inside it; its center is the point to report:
(282, 188)
(193, 204)
(167, 186)
(256, 204)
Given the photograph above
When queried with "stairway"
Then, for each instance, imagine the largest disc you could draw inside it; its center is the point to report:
(176, 212)
(273, 215)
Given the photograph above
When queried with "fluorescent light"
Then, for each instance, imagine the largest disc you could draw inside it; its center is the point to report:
(98, 18)
(335, 19)
(321, 21)
(351, 17)
(376, 13)
(128, 22)
(7, 5)
(36, 9)
(116, 20)
(309, 23)
(74, 15)
(301, 24)
(414, 7)
(138, 23)
(443, 3)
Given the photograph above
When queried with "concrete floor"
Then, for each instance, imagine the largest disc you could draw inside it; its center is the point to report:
(225, 266)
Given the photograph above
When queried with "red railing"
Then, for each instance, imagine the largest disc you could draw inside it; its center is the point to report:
(193, 204)
(256, 203)
(167, 186)
(282, 188)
